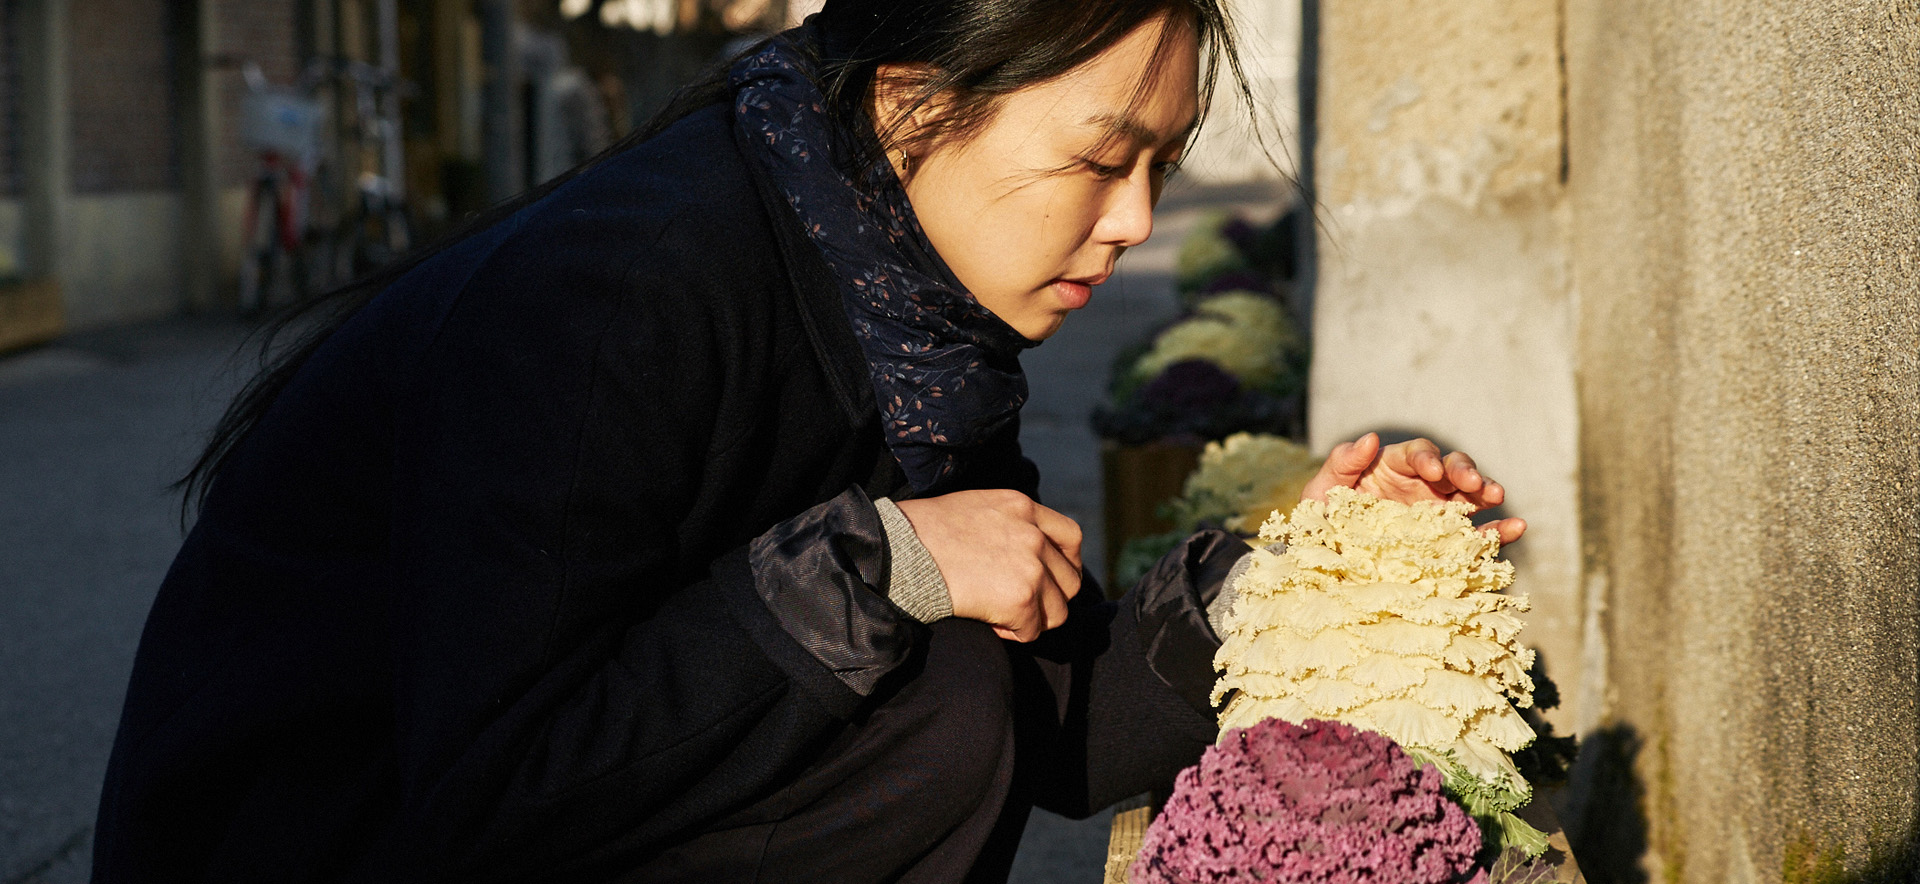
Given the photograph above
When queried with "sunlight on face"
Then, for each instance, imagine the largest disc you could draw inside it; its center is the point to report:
(1034, 209)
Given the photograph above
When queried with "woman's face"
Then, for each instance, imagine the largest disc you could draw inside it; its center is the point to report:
(1032, 211)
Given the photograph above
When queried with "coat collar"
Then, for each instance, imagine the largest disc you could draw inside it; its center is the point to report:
(818, 296)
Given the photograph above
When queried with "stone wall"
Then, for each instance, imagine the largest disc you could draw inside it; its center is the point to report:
(1654, 262)
(1745, 190)
(1442, 306)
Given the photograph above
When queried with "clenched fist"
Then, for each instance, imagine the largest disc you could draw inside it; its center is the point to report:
(1008, 561)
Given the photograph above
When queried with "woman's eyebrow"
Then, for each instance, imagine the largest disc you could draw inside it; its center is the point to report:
(1125, 125)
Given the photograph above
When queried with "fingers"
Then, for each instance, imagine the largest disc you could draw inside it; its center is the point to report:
(1353, 458)
(1460, 472)
(1065, 574)
(1411, 471)
(1407, 471)
(1047, 602)
(1007, 561)
(1065, 534)
(1046, 610)
(1416, 458)
(1470, 485)
(1344, 466)
(1509, 530)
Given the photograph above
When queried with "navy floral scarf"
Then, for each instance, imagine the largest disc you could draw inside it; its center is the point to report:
(945, 370)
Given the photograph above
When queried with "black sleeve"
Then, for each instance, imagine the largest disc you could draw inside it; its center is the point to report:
(824, 575)
(1115, 702)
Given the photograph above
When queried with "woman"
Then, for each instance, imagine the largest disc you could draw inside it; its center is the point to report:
(674, 526)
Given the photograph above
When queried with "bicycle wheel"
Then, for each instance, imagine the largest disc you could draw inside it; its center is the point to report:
(369, 240)
(260, 250)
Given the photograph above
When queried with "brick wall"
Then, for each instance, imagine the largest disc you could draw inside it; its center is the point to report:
(263, 31)
(122, 97)
(124, 103)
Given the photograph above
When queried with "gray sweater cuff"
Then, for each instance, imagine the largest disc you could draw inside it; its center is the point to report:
(915, 583)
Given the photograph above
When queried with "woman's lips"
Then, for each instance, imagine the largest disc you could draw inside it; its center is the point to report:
(1072, 295)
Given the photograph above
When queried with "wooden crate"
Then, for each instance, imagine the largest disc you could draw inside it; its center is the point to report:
(30, 313)
(1130, 820)
(1135, 481)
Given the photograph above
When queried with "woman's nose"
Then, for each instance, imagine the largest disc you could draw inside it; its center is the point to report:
(1128, 219)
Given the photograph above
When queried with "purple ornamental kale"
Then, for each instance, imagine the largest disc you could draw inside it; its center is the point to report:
(1237, 281)
(1241, 233)
(1190, 387)
(1281, 803)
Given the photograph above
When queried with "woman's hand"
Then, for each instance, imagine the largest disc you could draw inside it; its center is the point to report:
(1412, 471)
(1008, 561)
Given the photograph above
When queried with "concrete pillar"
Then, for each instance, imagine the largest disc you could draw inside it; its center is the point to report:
(1307, 86)
(1237, 146)
(1745, 182)
(199, 128)
(45, 127)
(33, 311)
(500, 119)
(448, 31)
(1442, 305)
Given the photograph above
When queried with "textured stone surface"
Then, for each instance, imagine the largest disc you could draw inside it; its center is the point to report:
(1745, 189)
(1443, 306)
(1718, 239)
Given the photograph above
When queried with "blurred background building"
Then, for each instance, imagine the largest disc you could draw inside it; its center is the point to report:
(126, 167)
(125, 171)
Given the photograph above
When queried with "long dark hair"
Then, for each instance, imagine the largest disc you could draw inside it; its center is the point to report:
(970, 53)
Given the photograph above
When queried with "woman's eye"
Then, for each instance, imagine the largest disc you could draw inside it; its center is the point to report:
(1103, 170)
(1167, 169)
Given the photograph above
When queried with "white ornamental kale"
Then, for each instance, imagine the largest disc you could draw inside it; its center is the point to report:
(1240, 479)
(1389, 617)
(1248, 335)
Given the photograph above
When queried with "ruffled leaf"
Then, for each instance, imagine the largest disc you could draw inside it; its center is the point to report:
(1458, 694)
(1504, 728)
(1328, 697)
(1305, 612)
(1397, 636)
(1320, 558)
(1472, 653)
(1384, 598)
(1391, 673)
(1440, 611)
(1409, 722)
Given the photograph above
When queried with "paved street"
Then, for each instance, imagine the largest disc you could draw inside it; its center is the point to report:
(94, 427)
(91, 432)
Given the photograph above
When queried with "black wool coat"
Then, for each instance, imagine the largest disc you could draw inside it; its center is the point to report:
(478, 599)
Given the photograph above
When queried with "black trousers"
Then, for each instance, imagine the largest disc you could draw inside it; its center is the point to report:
(918, 790)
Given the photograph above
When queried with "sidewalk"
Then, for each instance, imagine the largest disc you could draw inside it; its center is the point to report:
(95, 426)
(1067, 376)
(92, 430)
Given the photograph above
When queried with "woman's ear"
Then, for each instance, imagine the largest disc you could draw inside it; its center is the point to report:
(903, 114)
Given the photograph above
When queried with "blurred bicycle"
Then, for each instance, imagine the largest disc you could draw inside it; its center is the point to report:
(376, 227)
(295, 241)
(284, 126)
